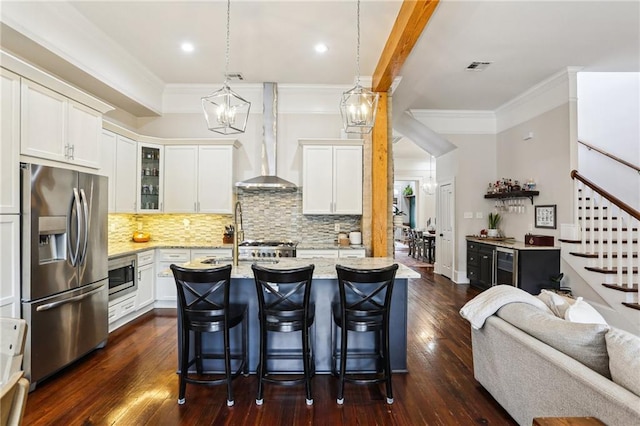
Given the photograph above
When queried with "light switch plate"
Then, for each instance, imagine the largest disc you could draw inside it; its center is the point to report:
(479, 215)
(468, 215)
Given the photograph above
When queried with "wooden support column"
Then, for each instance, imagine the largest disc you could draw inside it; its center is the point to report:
(380, 207)
(410, 22)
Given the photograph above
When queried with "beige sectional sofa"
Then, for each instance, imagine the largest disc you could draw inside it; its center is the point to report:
(530, 378)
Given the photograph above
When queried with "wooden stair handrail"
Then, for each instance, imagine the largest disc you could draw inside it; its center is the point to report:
(613, 157)
(621, 204)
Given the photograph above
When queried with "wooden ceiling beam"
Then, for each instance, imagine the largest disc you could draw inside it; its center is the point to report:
(411, 21)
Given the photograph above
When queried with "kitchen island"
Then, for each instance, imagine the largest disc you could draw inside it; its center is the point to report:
(324, 291)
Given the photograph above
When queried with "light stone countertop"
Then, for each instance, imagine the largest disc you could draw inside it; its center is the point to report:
(516, 245)
(324, 268)
(131, 247)
(326, 246)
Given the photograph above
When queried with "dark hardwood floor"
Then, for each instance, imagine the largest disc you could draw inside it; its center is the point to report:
(133, 381)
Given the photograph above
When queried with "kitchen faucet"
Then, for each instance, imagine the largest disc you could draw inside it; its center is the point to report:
(237, 220)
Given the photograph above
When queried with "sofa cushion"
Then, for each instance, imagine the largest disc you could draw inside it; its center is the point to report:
(583, 312)
(624, 359)
(557, 304)
(583, 342)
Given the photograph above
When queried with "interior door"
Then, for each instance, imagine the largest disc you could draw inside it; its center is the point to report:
(446, 220)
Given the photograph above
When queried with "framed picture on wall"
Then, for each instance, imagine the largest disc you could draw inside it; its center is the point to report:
(545, 216)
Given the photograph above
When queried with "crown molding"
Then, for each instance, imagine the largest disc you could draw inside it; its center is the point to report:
(62, 30)
(32, 73)
(548, 94)
(457, 121)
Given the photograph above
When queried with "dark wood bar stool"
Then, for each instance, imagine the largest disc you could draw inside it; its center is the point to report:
(363, 306)
(418, 252)
(429, 247)
(284, 306)
(204, 307)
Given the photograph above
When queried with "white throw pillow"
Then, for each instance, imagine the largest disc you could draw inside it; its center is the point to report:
(557, 303)
(624, 359)
(584, 313)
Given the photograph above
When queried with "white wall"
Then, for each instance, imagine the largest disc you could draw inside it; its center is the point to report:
(609, 118)
(546, 159)
(473, 165)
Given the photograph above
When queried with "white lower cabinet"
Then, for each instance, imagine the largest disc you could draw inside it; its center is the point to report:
(166, 293)
(352, 253)
(318, 254)
(119, 309)
(10, 266)
(146, 285)
(220, 253)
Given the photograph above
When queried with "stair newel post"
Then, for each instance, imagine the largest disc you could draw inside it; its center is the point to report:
(630, 275)
(620, 259)
(601, 246)
(592, 219)
(610, 235)
(581, 221)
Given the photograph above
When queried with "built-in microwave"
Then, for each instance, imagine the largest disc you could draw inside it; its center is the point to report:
(122, 276)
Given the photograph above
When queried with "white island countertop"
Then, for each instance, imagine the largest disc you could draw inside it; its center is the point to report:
(324, 268)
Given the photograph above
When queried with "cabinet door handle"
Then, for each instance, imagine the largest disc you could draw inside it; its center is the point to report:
(195, 207)
(72, 151)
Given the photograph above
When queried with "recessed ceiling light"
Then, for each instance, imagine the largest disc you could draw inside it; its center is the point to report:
(187, 47)
(321, 48)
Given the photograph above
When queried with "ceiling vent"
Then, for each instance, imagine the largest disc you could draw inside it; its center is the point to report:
(478, 66)
(234, 76)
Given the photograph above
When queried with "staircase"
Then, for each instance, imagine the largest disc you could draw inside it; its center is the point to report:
(603, 249)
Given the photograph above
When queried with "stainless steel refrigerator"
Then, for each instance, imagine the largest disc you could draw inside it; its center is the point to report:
(64, 267)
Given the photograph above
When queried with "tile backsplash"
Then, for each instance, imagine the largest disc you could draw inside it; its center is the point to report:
(266, 214)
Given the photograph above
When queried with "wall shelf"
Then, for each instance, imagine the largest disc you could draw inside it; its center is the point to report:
(514, 194)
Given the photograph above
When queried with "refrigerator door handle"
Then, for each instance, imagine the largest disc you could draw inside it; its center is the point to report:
(85, 211)
(53, 305)
(73, 254)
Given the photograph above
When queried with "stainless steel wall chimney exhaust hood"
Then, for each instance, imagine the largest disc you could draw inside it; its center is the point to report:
(268, 178)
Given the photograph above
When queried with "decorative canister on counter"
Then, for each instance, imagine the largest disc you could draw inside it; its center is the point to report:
(355, 238)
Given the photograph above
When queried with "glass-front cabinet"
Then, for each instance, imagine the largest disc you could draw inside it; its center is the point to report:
(150, 177)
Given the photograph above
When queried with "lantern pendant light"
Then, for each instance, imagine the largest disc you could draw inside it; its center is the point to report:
(358, 106)
(225, 111)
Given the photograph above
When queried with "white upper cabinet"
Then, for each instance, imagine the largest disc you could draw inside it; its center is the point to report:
(84, 133)
(43, 124)
(199, 178)
(126, 175)
(215, 179)
(108, 165)
(180, 167)
(118, 158)
(150, 188)
(57, 128)
(332, 177)
(9, 142)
